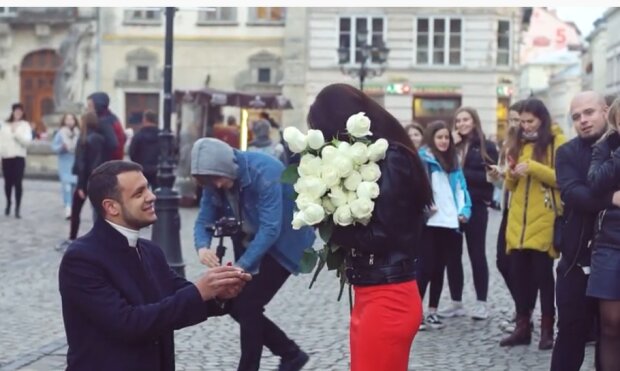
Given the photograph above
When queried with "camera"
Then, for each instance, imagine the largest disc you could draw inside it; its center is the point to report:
(225, 227)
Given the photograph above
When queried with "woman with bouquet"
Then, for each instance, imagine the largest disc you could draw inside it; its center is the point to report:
(381, 254)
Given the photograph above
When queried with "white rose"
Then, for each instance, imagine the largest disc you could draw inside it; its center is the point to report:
(312, 186)
(313, 214)
(298, 221)
(358, 125)
(330, 174)
(344, 166)
(296, 140)
(362, 208)
(338, 197)
(359, 153)
(352, 181)
(368, 190)
(376, 151)
(370, 172)
(328, 205)
(309, 165)
(328, 153)
(315, 139)
(342, 216)
(303, 200)
(351, 196)
(344, 148)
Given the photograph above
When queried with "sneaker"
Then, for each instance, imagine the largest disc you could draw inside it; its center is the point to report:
(67, 213)
(480, 311)
(294, 364)
(454, 310)
(422, 326)
(433, 321)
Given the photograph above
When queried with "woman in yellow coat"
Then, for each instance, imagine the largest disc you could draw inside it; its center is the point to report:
(534, 204)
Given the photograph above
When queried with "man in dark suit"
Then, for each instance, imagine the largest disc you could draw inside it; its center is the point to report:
(121, 302)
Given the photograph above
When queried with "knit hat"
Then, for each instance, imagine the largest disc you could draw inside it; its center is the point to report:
(211, 156)
(261, 130)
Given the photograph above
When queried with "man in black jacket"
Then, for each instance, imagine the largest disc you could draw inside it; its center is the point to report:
(121, 302)
(144, 148)
(576, 312)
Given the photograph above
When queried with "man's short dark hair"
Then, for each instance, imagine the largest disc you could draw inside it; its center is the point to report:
(150, 116)
(103, 182)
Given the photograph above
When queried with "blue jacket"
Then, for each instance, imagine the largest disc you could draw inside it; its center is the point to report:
(267, 205)
(120, 311)
(455, 177)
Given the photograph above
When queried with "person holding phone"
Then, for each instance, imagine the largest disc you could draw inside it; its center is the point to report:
(475, 154)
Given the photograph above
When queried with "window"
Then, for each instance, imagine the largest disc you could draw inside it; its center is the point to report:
(142, 73)
(269, 15)
(503, 43)
(217, 15)
(438, 41)
(143, 15)
(264, 75)
(6, 11)
(351, 26)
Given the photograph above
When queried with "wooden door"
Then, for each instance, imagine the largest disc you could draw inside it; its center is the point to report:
(38, 71)
(136, 104)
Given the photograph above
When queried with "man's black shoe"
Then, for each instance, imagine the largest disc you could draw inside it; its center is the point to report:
(294, 364)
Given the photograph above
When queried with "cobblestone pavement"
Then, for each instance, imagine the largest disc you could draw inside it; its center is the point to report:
(32, 335)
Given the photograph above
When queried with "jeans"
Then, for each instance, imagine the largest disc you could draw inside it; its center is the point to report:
(256, 329)
(68, 189)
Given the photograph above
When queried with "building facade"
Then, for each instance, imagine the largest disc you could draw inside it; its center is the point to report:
(612, 56)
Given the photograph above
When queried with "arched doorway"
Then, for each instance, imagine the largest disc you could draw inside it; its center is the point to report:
(37, 84)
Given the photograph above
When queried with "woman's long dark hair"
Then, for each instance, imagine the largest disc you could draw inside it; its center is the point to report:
(13, 108)
(447, 159)
(545, 136)
(478, 133)
(89, 122)
(337, 102)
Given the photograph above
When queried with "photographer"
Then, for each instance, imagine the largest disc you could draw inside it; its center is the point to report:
(246, 186)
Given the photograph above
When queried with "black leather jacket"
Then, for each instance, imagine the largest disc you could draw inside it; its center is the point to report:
(384, 251)
(480, 190)
(88, 155)
(604, 177)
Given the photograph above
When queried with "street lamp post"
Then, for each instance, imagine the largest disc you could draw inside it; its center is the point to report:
(168, 225)
(375, 52)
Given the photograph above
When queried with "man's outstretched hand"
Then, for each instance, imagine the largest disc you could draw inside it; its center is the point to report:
(222, 282)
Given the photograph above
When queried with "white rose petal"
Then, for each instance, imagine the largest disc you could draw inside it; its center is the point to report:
(359, 153)
(368, 190)
(328, 153)
(296, 140)
(342, 216)
(313, 214)
(370, 172)
(352, 181)
(330, 175)
(338, 197)
(309, 165)
(344, 148)
(376, 151)
(298, 221)
(328, 205)
(344, 166)
(311, 186)
(303, 200)
(362, 208)
(364, 221)
(358, 125)
(351, 196)
(315, 139)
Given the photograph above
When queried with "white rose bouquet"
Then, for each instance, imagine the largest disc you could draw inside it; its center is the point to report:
(336, 184)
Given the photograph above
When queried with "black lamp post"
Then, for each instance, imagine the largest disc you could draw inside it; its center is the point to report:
(376, 52)
(167, 228)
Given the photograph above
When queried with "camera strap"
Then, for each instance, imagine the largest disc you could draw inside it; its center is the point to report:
(234, 198)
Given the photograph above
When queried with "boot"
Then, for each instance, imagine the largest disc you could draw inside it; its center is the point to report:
(7, 209)
(546, 333)
(522, 335)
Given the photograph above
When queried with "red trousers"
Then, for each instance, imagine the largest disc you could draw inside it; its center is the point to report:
(384, 322)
